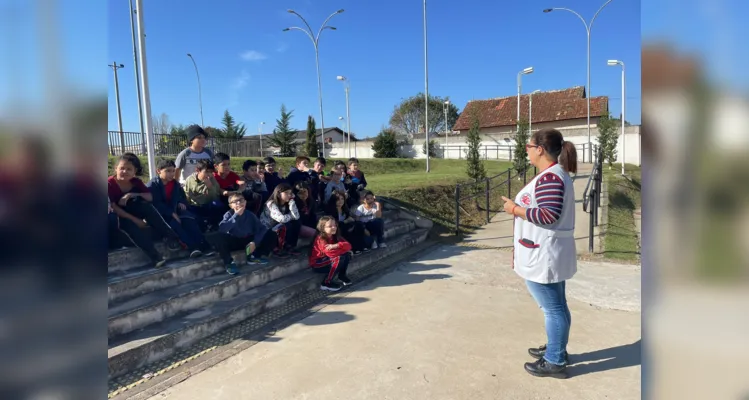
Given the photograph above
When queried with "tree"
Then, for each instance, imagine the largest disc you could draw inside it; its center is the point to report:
(475, 167)
(434, 148)
(213, 132)
(408, 116)
(171, 142)
(520, 155)
(232, 130)
(386, 144)
(608, 138)
(283, 136)
(161, 124)
(310, 147)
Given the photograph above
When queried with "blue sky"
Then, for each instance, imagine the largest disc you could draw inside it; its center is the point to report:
(476, 49)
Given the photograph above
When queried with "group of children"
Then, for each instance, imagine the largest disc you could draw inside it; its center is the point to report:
(200, 204)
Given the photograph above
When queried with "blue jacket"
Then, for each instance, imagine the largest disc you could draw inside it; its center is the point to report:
(242, 226)
(164, 207)
(272, 180)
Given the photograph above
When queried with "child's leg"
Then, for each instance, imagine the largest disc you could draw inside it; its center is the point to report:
(377, 228)
(225, 244)
(281, 235)
(192, 229)
(140, 238)
(307, 232)
(354, 233)
(265, 245)
(148, 212)
(343, 262)
(292, 233)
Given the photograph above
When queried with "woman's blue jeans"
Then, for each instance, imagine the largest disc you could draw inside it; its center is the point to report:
(553, 301)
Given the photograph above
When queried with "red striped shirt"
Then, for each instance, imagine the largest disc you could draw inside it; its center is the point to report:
(549, 195)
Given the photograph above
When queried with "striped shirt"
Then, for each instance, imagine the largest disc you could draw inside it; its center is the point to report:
(549, 194)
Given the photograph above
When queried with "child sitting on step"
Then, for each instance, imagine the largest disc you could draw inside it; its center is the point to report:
(369, 213)
(330, 255)
(281, 216)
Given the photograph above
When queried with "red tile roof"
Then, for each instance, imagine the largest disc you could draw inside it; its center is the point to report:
(555, 105)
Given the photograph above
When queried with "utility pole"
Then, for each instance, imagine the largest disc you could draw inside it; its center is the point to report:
(115, 67)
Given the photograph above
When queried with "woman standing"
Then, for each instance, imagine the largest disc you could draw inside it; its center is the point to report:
(544, 244)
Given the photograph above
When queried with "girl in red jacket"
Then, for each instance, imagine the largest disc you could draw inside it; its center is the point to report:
(330, 254)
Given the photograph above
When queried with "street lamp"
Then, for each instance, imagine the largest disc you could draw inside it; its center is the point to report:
(526, 71)
(315, 42)
(115, 67)
(260, 132)
(426, 86)
(347, 85)
(200, 93)
(137, 80)
(613, 63)
(530, 111)
(588, 27)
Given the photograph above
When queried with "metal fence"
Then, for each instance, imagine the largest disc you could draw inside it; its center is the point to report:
(171, 145)
(592, 194)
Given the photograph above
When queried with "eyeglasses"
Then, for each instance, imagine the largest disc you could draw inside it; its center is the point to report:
(240, 201)
(530, 146)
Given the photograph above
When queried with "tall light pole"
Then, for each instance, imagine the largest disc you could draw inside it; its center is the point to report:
(347, 86)
(144, 89)
(200, 91)
(526, 71)
(444, 106)
(260, 132)
(315, 42)
(588, 27)
(530, 111)
(115, 67)
(137, 80)
(426, 86)
(624, 101)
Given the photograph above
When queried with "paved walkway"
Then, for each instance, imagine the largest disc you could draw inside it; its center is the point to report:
(455, 324)
(498, 233)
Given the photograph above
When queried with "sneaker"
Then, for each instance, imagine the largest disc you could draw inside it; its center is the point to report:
(345, 280)
(374, 246)
(232, 269)
(366, 249)
(208, 252)
(357, 252)
(293, 252)
(159, 263)
(257, 261)
(173, 244)
(383, 245)
(280, 254)
(332, 286)
(540, 351)
(196, 253)
(545, 369)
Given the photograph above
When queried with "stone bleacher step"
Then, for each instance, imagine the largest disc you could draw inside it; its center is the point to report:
(140, 347)
(120, 262)
(125, 285)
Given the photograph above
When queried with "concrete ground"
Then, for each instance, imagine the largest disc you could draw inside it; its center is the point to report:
(455, 324)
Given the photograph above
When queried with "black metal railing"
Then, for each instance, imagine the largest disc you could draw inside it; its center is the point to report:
(171, 145)
(482, 190)
(592, 195)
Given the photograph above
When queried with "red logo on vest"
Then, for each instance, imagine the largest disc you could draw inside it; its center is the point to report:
(525, 199)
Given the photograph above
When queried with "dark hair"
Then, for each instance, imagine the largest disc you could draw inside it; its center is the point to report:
(300, 159)
(301, 185)
(165, 163)
(218, 158)
(321, 160)
(367, 193)
(248, 164)
(204, 165)
(353, 160)
(275, 198)
(132, 159)
(330, 207)
(560, 150)
(269, 160)
(261, 163)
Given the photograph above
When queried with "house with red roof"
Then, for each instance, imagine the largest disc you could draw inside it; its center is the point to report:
(565, 110)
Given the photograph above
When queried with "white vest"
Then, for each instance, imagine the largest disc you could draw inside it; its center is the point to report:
(553, 257)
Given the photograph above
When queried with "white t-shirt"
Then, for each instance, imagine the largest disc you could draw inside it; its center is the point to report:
(366, 215)
(187, 160)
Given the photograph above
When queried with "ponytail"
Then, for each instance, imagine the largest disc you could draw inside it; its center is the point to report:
(568, 157)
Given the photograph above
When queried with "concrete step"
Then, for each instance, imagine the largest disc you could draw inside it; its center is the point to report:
(145, 309)
(120, 262)
(157, 341)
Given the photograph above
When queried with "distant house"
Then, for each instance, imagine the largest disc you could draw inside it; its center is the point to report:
(332, 135)
(561, 109)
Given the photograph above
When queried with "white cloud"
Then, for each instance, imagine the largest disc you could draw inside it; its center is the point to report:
(252, 55)
(236, 87)
(282, 47)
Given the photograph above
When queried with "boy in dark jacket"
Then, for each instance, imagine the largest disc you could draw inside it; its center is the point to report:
(170, 201)
(242, 229)
(300, 173)
(255, 191)
(272, 177)
(358, 182)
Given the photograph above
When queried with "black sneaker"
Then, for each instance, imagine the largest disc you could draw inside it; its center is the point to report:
(545, 369)
(366, 250)
(159, 263)
(345, 280)
(280, 254)
(540, 351)
(332, 286)
(357, 252)
(292, 252)
(173, 244)
(196, 253)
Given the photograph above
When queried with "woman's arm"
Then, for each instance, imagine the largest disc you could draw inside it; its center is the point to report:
(549, 194)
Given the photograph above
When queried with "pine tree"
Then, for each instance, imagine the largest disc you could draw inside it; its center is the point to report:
(475, 168)
(608, 138)
(311, 148)
(231, 129)
(434, 148)
(386, 144)
(520, 155)
(283, 136)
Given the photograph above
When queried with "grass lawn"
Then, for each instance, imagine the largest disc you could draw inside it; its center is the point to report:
(620, 242)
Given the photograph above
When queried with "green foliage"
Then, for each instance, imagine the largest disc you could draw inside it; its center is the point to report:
(213, 132)
(231, 130)
(283, 136)
(475, 167)
(311, 148)
(408, 116)
(434, 149)
(171, 143)
(608, 136)
(520, 155)
(386, 144)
